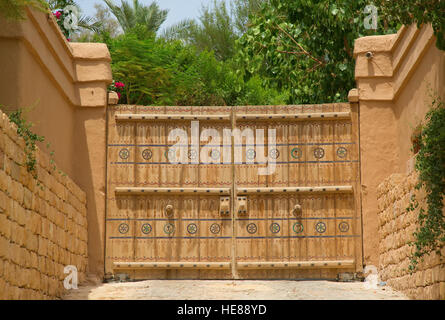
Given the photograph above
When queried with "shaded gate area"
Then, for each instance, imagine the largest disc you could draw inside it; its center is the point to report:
(249, 192)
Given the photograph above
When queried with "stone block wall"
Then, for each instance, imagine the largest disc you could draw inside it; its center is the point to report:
(396, 227)
(43, 224)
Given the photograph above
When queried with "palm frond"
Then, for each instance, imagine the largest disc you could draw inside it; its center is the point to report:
(129, 16)
(180, 31)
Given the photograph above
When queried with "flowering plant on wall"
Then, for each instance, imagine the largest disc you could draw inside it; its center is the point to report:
(69, 19)
(118, 87)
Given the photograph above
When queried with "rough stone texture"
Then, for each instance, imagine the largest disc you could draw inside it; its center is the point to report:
(43, 224)
(396, 227)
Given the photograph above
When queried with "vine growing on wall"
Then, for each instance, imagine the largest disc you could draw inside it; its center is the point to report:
(430, 165)
(31, 139)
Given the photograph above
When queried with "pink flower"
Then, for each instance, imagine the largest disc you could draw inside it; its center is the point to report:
(119, 94)
(58, 14)
(68, 39)
(119, 85)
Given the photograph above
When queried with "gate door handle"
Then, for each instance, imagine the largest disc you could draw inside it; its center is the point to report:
(242, 205)
(224, 206)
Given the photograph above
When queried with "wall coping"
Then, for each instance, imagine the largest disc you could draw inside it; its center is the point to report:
(395, 58)
(80, 71)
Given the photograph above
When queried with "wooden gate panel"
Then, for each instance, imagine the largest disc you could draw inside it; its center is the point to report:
(138, 156)
(309, 153)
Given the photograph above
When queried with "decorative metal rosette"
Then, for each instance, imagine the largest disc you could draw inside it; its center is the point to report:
(275, 227)
(343, 226)
(215, 154)
(298, 227)
(318, 153)
(192, 228)
(124, 154)
(342, 152)
(169, 228)
(250, 154)
(296, 153)
(147, 154)
(215, 228)
(123, 228)
(274, 153)
(146, 228)
(192, 154)
(252, 228)
(320, 227)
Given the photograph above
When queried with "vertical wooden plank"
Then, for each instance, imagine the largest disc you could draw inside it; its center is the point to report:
(355, 154)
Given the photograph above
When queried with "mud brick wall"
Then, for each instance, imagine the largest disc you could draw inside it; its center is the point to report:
(396, 227)
(43, 226)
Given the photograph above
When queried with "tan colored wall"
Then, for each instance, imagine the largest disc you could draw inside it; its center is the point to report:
(396, 227)
(43, 228)
(67, 85)
(393, 98)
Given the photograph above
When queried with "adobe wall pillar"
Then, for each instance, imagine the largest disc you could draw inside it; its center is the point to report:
(392, 72)
(66, 85)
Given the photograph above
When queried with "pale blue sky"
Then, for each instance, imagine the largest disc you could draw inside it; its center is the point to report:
(178, 9)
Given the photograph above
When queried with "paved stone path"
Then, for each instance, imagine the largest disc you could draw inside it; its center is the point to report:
(234, 290)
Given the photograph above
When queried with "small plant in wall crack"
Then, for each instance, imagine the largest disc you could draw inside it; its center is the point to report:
(430, 165)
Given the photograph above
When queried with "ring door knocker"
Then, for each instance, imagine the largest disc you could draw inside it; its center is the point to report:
(297, 211)
(168, 211)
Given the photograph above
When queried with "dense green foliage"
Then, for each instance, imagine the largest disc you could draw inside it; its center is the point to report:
(160, 72)
(15, 9)
(306, 47)
(430, 164)
(418, 11)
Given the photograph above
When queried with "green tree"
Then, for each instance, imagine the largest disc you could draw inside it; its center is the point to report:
(143, 65)
(15, 9)
(419, 11)
(306, 47)
(108, 29)
(129, 17)
(217, 27)
(241, 12)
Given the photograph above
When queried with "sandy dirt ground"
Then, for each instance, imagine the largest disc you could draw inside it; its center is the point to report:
(233, 290)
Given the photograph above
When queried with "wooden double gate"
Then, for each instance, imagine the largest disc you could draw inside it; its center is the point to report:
(213, 215)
